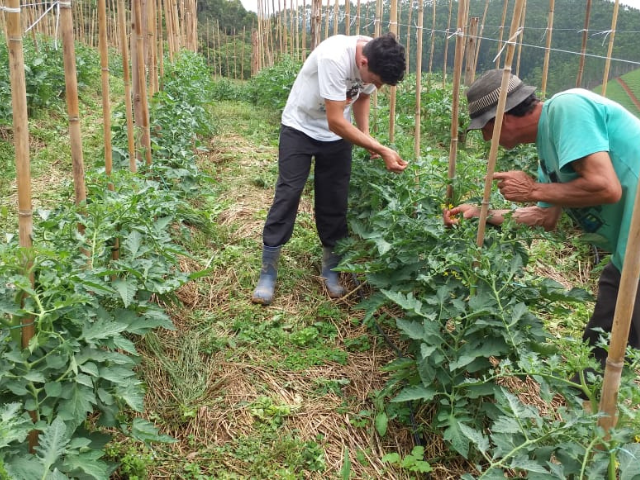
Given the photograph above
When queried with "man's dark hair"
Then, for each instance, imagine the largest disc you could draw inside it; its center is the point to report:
(386, 58)
(525, 107)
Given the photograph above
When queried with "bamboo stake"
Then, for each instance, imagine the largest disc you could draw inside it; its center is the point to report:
(13, 31)
(106, 107)
(621, 324)
(316, 19)
(304, 30)
(502, 22)
(583, 49)
(497, 129)
(484, 19)
(470, 50)
(256, 42)
(547, 52)
(13, 25)
(235, 56)
(152, 54)
(393, 27)
(336, 17)
(358, 8)
(142, 84)
(408, 47)
(607, 64)
(347, 17)
(446, 46)
(433, 34)
(326, 21)
(378, 19)
(70, 75)
(127, 85)
(160, 47)
(418, 114)
(463, 7)
(255, 66)
(244, 36)
(524, 13)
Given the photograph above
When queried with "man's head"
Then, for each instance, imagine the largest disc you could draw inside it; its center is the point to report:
(483, 95)
(385, 58)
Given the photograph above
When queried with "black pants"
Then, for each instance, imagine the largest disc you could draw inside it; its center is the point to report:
(331, 187)
(604, 310)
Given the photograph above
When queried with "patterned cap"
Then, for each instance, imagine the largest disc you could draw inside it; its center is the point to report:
(482, 97)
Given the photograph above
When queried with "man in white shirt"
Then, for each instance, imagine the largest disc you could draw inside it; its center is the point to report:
(337, 79)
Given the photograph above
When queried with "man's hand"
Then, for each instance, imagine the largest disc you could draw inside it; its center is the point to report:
(515, 186)
(465, 210)
(393, 161)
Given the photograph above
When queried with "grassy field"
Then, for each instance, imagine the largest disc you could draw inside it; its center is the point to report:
(617, 93)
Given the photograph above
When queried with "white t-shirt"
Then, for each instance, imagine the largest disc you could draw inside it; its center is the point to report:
(329, 73)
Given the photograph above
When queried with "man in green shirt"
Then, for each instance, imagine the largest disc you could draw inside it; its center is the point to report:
(589, 165)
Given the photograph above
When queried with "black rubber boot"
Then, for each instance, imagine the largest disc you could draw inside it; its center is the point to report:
(263, 293)
(331, 278)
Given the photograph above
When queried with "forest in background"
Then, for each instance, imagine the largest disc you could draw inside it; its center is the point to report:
(569, 19)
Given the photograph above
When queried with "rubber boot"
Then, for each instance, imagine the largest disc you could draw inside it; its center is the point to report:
(263, 293)
(331, 278)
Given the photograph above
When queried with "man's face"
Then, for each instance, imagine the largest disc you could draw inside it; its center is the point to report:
(370, 77)
(507, 139)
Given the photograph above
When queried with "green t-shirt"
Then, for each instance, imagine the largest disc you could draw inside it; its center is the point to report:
(577, 123)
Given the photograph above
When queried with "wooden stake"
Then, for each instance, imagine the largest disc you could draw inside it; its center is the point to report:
(127, 85)
(621, 324)
(316, 22)
(484, 19)
(13, 25)
(612, 37)
(106, 106)
(470, 51)
(73, 111)
(358, 7)
(463, 8)
(418, 115)
(336, 17)
(583, 49)
(524, 13)
(497, 129)
(446, 47)
(433, 34)
(547, 51)
(502, 22)
(326, 21)
(141, 96)
(408, 47)
(393, 27)
(347, 17)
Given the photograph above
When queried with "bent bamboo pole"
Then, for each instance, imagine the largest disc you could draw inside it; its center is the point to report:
(497, 129)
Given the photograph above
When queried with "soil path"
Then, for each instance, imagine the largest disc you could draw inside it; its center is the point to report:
(628, 91)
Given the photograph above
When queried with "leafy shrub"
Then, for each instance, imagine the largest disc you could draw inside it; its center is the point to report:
(44, 74)
(271, 86)
(225, 89)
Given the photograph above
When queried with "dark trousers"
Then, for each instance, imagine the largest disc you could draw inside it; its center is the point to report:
(604, 310)
(331, 187)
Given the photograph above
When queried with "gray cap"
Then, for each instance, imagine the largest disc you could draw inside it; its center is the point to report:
(482, 97)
